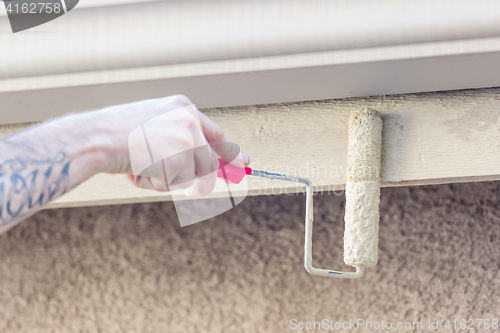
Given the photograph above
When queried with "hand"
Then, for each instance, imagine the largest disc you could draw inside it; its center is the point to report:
(166, 144)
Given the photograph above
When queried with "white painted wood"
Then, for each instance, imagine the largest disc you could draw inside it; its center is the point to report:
(99, 56)
(428, 138)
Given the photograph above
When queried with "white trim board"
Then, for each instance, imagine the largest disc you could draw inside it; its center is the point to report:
(429, 138)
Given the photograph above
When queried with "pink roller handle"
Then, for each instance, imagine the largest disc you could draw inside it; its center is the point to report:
(231, 174)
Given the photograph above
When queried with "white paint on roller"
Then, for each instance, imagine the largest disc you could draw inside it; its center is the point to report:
(361, 223)
(363, 188)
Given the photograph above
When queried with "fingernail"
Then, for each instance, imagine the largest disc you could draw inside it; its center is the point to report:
(190, 192)
(244, 158)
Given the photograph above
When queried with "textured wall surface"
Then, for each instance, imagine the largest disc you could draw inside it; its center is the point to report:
(131, 268)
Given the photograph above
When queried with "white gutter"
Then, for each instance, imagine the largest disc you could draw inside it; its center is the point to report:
(92, 3)
(173, 32)
(228, 53)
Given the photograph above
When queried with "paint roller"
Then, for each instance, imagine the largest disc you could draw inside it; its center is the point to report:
(362, 191)
(362, 195)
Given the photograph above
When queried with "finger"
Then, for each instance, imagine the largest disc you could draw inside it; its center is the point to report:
(206, 165)
(149, 183)
(201, 186)
(152, 178)
(159, 184)
(185, 177)
(130, 179)
(155, 170)
(227, 150)
(175, 164)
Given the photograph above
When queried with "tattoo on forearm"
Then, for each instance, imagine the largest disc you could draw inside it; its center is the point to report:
(26, 185)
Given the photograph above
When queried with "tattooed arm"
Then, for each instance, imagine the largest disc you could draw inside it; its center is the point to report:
(42, 162)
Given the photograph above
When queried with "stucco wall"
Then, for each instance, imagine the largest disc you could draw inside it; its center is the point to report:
(131, 268)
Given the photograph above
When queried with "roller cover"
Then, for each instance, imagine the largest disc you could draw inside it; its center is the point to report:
(363, 188)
